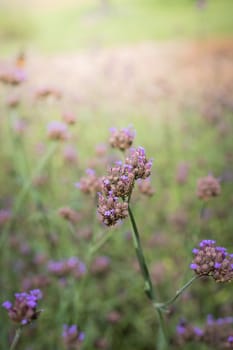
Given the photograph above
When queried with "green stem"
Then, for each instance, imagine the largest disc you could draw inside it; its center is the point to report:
(37, 171)
(16, 338)
(100, 243)
(147, 280)
(25, 189)
(178, 293)
(141, 259)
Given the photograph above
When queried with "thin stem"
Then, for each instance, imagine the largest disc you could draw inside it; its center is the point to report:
(28, 184)
(25, 189)
(100, 243)
(176, 296)
(16, 338)
(162, 339)
(141, 259)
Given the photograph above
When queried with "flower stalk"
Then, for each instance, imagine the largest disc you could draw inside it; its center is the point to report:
(16, 338)
(149, 289)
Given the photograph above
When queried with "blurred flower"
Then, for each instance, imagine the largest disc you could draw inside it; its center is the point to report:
(70, 154)
(44, 92)
(72, 337)
(72, 266)
(36, 281)
(24, 310)
(121, 139)
(216, 333)
(19, 126)
(211, 260)
(69, 118)
(89, 184)
(101, 343)
(145, 187)
(40, 180)
(5, 216)
(114, 316)
(100, 265)
(69, 214)
(101, 150)
(208, 187)
(57, 131)
(13, 101)
(13, 76)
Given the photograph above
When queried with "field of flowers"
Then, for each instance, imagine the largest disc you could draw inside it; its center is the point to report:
(116, 197)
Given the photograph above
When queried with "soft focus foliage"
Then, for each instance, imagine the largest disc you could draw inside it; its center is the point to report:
(59, 152)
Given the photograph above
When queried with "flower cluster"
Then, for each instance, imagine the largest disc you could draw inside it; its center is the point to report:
(111, 209)
(89, 184)
(211, 260)
(72, 337)
(122, 139)
(70, 154)
(13, 76)
(5, 216)
(44, 92)
(119, 182)
(138, 163)
(69, 118)
(208, 187)
(145, 187)
(69, 214)
(216, 333)
(24, 310)
(117, 186)
(72, 266)
(57, 131)
(100, 265)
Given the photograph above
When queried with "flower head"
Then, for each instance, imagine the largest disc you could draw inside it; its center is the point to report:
(208, 187)
(90, 184)
(57, 131)
(66, 267)
(211, 260)
(72, 337)
(119, 181)
(139, 164)
(24, 310)
(111, 209)
(121, 139)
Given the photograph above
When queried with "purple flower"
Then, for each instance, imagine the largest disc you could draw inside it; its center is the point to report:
(198, 331)
(193, 266)
(72, 337)
(230, 339)
(24, 310)
(7, 305)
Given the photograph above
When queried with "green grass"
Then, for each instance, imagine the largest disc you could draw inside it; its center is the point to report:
(126, 21)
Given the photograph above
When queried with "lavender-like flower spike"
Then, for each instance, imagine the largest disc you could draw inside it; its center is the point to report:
(24, 310)
(211, 260)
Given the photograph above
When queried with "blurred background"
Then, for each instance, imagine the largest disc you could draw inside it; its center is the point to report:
(164, 67)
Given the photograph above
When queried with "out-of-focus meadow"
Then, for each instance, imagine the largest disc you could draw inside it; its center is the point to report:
(163, 68)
